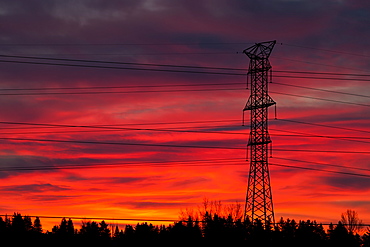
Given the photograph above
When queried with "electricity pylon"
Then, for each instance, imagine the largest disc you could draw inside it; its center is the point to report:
(259, 205)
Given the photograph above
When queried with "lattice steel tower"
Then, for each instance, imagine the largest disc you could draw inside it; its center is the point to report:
(259, 197)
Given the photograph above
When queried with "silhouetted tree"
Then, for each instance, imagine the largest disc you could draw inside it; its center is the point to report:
(129, 234)
(118, 234)
(18, 225)
(366, 238)
(60, 229)
(351, 221)
(21, 230)
(2, 225)
(146, 232)
(90, 229)
(310, 233)
(27, 223)
(339, 236)
(104, 231)
(8, 222)
(37, 227)
(212, 229)
(287, 232)
(70, 227)
(63, 234)
(188, 233)
(94, 234)
(4, 230)
(258, 234)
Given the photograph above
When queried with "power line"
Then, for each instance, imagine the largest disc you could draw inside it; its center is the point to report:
(120, 87)
(168, 163)
(320, 64)
(323, 99)
(323, 125)
(183, 129)
(121, 68)
(322, 90)
(322, 164)
(179, 163)
(121, 143)
(322, 151)
(124, 219)
(161, 86)
(120, 92)
(158, 70)
(172, 91)
(174, 129)
(177, 44)
(131, 54)
(111, 126)
(322, 170)
(114, 126)
(300, 134)
(127, 129)
(179, 146)
(343, 138)
(122, 63)
(177, 66)
(94, 218)
(326, 50)
(175, 90)
(320, 73)
(147, 64)
(319, 78)
(128, 44)
(176, 122)
(188, 130)
(121, 124)
(195, 163)
(45, 126)
(173, 85)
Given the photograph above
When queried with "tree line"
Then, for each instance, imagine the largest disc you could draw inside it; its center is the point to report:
(210, 229)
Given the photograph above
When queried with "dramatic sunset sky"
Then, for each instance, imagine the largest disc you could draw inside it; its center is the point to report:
(156, 141)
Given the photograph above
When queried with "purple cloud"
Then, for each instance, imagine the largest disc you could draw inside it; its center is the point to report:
(33, 188)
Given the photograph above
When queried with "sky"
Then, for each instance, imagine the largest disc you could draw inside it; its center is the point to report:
(93, 127)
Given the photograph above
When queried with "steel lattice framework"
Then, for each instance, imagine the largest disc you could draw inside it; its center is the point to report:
(259, 203)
